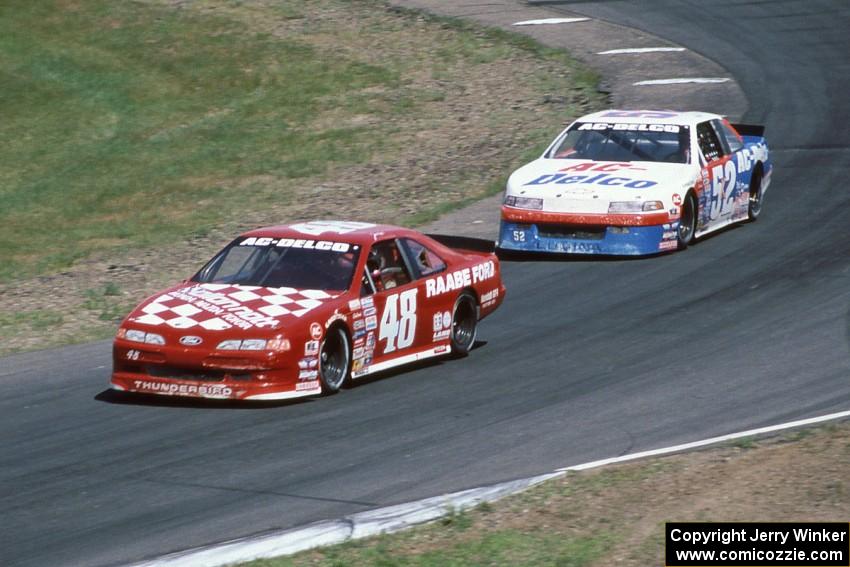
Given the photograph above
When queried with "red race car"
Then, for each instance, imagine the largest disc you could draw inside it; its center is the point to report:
(299, 310)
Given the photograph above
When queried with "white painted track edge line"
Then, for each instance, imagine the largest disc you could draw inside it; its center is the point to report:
(706, 442)
(638, 50)
(683, 81)
(550, 21)
(401, 516)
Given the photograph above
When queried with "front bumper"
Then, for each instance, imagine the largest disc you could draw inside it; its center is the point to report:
(588, 239)
(167, 371)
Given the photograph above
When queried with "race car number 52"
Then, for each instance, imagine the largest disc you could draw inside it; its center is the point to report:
(398, 322)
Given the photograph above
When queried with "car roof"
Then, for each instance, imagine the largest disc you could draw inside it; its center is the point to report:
(690, 117)
(334, 230)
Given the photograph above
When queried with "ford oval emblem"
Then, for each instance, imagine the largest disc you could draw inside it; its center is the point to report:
(191, 340)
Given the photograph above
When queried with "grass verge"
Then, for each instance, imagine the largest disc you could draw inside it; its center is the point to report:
(616, 515)
(140, 136)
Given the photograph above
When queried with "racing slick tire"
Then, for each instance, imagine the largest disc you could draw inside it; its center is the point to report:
(464, 324)
(334, 360)
(756, 191)
(687, 222)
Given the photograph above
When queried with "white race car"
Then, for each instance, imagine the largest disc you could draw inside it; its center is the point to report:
(636, 182)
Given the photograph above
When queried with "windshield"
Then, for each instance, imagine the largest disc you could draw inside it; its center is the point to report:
(284, 262)
(604, 141)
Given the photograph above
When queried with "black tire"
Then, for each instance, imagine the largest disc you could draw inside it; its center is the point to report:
(334, 360)
(464, 324)
(687, 222)
(756, 191)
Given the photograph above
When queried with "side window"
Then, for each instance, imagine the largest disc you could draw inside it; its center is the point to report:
(708, 142)
(386, 266)
(367, 284)
(424, 261)
(732, 140)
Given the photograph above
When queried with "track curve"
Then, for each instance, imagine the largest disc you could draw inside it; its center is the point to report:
(586, 359)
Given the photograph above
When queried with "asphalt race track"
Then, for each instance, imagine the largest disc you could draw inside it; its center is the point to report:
(586, 359)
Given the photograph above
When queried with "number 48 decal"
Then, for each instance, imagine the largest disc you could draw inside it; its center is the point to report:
(399, 328)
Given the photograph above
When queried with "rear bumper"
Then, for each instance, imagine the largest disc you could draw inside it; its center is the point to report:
(588, 239)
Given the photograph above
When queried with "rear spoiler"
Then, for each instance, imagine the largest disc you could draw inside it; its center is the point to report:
(465, 242)
(749, 129)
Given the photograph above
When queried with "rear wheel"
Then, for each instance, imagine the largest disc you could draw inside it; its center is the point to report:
(687, 222)
(334, 360)
(756, 191)
(464, 324)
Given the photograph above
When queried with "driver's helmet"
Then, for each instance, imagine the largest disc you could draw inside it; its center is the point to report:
(375, 261)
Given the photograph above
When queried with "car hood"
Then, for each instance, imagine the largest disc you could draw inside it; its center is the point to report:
(571, 185)
(214, 308)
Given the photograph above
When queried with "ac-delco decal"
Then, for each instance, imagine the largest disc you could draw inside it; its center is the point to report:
(460, 278)
(297, 243)
(602, 126)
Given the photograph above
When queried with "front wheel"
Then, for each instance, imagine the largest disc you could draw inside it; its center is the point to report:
(464, 324)
(687, 222)
(756, 191)
(334, 360)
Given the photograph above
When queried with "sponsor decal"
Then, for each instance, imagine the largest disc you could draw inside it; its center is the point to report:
(358, 367)
(316, 228)
(371, 323)
(650, 114)
(602, 126)
(459, 278)
(311, 348)
(191, 340)
(441, 349)
(667, 245)
(358, 353)
(230, 311)
(677, 199)
(490, 297)
(334, 317)
(308, 374)
(598, 179)
(206, 390)
(354, 304)
(359, 324)
(359, 333)
(316, 331)
(370, 340)
(442, 320)
(308, 363)
(325, 245)
(312, 385)
(579, 247)
(442, 335)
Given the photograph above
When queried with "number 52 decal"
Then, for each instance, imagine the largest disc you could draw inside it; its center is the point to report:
(398, 322)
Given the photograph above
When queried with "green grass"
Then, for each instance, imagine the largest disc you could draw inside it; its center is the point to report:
(505, 547)
(134, 124)
(36, 320)
(124, 124)
(105, 303)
